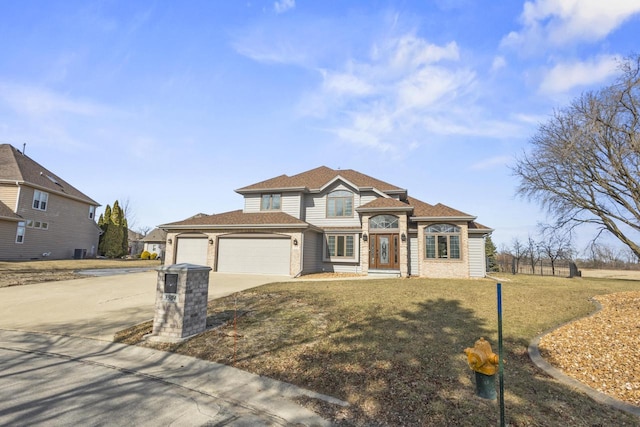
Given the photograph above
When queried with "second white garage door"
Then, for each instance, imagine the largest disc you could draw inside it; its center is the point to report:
(254, 255)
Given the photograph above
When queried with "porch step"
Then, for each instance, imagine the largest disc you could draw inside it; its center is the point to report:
(383, 273)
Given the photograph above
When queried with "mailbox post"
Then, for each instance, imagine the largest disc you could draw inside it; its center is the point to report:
(181, 302)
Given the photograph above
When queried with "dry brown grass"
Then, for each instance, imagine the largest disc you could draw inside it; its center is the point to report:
(394, 348)
(15, 273)
(611, 274)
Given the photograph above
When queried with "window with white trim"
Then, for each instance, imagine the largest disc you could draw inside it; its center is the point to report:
(270, 202)
(20, 232)
(40, 199)
(339, 246)
(340, 204)
(442, 241)
(384, 222)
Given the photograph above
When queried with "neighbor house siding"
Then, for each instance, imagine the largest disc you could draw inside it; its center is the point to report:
(9, 195)
(477, 261)
(69, 228)
(8, 237)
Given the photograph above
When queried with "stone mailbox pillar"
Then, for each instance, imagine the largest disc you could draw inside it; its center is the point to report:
(181, 302)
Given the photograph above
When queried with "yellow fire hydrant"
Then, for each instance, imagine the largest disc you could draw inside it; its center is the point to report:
(484, 362)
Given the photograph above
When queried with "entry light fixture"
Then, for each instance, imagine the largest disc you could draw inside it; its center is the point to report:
(211, 241)
(364, 237)
(295, 242)
(403, 237)
(169, 241)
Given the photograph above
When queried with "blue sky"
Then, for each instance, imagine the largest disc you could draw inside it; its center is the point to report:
(173, 105)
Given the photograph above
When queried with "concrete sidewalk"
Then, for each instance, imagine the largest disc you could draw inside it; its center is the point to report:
(224, 395)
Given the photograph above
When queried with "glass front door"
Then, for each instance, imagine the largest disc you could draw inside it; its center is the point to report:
(383, 251)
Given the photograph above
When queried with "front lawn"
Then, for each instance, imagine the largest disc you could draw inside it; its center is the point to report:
(394, 348)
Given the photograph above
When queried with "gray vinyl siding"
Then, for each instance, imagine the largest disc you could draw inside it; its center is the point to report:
(8, 231)
(414, 269)
(477, 261)
(316, 209)
(346, 267)
(69, 228)
(312, 253)
(290, 203)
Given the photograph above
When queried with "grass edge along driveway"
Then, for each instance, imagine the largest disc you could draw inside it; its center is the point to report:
(394, 348)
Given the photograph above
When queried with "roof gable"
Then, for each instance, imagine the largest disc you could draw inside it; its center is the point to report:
(17, 167)
(318, 178)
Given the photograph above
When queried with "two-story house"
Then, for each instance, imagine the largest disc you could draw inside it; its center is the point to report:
(332, 220)
(41, 215)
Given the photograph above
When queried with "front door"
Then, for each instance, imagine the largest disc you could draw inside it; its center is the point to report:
(383, 252)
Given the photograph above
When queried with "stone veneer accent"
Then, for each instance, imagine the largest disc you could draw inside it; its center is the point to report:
(187, 316)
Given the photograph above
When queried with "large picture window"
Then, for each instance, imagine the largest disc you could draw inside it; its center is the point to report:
(270, 202)
(340, 203)
(339, 246)
(40, 199)
(442, 241)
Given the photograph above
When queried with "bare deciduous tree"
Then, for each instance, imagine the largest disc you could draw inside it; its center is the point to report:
(555, 245)
(584, 166)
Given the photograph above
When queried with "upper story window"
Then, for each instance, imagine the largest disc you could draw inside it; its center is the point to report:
(340, 203)
(442, 241)
(384, 222)
(92, 212)
(270, 202)
(40, 199)
(20, 232)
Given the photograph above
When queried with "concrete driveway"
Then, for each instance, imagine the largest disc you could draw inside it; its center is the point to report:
(98, 307)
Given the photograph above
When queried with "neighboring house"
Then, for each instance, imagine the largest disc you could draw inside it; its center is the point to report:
(41, 215)
(155, 242)
(135, 242)
(332, 220)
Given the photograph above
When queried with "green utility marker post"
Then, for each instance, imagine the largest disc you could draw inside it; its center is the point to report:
(500, 363)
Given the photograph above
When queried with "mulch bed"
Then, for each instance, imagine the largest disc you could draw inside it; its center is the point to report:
(602, 350)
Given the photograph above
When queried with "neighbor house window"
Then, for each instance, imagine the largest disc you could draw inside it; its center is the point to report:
(340, 203)
(40, 199)
(270, 202)
(442, 241)
(20, 232)
(92, 212)
(37, 224)
(339, 246)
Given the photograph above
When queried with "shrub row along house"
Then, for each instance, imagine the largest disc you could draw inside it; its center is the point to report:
(41, 215)
(336, 221)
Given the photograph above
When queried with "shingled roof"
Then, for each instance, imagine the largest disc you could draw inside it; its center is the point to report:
(238, 218)
(17, 167)
(7, 213)
(317, 178)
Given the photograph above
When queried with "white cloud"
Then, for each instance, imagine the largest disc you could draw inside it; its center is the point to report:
(493, 162)
(562, 22)
(38, 101)
(565, 76)
(284, 5)
(498, 63)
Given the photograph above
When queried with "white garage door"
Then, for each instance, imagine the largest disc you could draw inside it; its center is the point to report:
(254, 255)
(192, 250)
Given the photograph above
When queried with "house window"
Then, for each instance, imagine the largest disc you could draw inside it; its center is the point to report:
(383, 222)
(20, 232)
(339, 246)
(37, 224)
(270, 202)
(92, 212)
(340, 203)
(442, 241)
(40, 199)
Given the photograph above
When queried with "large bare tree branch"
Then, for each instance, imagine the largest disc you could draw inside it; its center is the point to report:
(584, 162)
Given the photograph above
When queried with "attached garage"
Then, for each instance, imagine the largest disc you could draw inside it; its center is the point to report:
(257, 255)
(192, 250)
